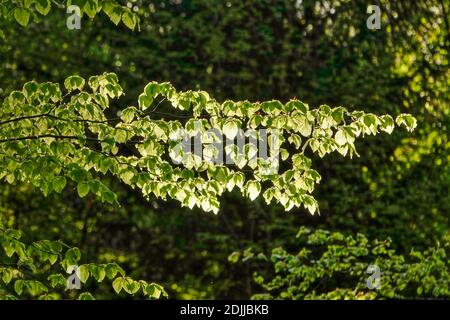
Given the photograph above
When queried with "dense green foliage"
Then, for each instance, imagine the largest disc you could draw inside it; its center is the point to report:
(317, 51)
(27, 264)
(335, 266)
(46, 140)
(25, 11)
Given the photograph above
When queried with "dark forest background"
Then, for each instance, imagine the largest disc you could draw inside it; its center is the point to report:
(320, 52)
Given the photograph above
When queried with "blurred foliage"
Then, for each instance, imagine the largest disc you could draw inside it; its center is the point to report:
(30, 271)
(317, 51)
(330, 265)
(24, 12)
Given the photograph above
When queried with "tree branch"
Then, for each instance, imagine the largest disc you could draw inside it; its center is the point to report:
(50, 136)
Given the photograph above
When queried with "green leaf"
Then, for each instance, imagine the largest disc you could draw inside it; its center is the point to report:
(109, 196)
(83, 189)
(58, 183)
(338, 115)
(131, 286)
(295, 139)
(7, 276)
(145, 101)
(112, 269)
(86, 296)
(43, 6)
(30, 89)
(98, 272)
(90, 8)
(113, 11)
(22, 16)
(234, 257)
(253, 189)
(255, 121)
(369, 120)
(268, 195)
(310, 203)
(83, 273)
(57, 280)
(303, 125)
(387, 124)
(128, 114)
(74, 83)
(340, 137)
(73, 255)
(407, 120)
(18, 286)
(230, 128)
(419, 290)
(36, 287)
(297, 105)
(118, 284)
(129, 19)
(154, 291)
